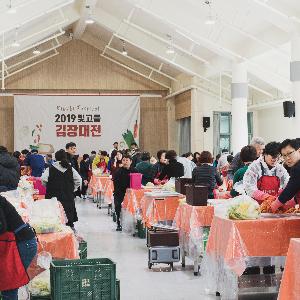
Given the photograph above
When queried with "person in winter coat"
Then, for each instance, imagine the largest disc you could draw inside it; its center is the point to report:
(13, 268)
(61, 181)
(116, 164)
(206, 174)
(9, 171)
(71, 155)
(266, 176)
(159, 166)
(36, 162)
(290, 196)
(146, 168)
(84, 173)
(173, 168)
(121, 183)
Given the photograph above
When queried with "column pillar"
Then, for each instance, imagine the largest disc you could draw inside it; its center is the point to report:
(295, 77)
(239, 96)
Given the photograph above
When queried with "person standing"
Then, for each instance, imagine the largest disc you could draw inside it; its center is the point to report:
(146, 168)
(71, 155)
(115, 148)
(13, 264)
(36, 162)
(61, 181)
(9, 171)
(84, 173)
(121, 182)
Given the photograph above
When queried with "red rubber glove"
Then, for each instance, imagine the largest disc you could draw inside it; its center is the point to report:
(290, 204)
(275, 205)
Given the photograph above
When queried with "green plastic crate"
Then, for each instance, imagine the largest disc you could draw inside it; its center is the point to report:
(205, 235)
(118, 290)
(141, 230)
(83, 279)
(83, 250)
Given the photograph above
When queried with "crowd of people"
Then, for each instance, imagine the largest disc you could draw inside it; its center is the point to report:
(262, 171)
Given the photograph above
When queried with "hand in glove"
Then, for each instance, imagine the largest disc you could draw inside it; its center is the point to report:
(275, 205)
(290, 204)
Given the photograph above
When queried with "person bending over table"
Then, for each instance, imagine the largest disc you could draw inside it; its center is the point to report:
(265, 176)
(290, 196)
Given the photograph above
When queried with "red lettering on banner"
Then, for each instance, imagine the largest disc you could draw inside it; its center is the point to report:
(84, 130)
(60, 130)
(96, 130)
(72, 130)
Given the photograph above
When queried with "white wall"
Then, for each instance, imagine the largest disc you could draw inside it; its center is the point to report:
(272, 126)
(204, 105)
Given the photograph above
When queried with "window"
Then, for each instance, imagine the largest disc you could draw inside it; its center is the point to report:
(222, 130)
(184, 135)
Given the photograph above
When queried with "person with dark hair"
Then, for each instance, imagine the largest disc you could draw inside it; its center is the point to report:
(16, 154)
(71, 155)
(49, 160)
(265, 176)
(173, 168)
(15, 233)
(290, 196)
(9, 171)
(114, 149)
(135, 154)
(84, 173)
(247, 155)
(92, 156)
(189, 155)
(36, 162)
(206, 174)
(61, 181)
(146, 168)
(159, 166)
(116, 164)
(196, 157)
(216, 161)
(258, 143)
(121, 182)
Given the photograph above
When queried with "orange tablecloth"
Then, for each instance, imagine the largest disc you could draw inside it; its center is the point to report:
(102, 184)
(191, 220)
(290, 287)
(132, 200)
(234, 241)
(61, 245)
(155, 209)
(188, 217)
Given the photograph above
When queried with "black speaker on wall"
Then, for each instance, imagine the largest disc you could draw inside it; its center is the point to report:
(289, 109)
(206, 123)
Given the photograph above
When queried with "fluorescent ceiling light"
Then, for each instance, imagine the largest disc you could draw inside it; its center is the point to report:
(170, 50)
(210, 20)
(124, 52)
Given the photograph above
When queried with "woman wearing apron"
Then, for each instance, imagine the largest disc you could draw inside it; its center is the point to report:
(265, 177)
(18, 247)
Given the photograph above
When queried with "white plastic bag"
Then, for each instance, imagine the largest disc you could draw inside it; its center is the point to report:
(44, 260)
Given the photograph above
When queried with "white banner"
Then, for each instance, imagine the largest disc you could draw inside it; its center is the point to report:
(47, 123)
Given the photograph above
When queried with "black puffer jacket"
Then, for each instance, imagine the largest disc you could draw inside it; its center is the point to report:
(9, 171)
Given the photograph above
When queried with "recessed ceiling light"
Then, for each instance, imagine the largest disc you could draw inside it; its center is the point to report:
(124, 51)
(36, 51)
(15, 44)
(11, 10)
(170, 50)
(210, 20)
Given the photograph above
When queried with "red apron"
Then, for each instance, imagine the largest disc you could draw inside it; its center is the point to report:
(13, 273)
(268, 184)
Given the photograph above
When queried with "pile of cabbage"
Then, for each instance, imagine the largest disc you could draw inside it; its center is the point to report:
(243, 208)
